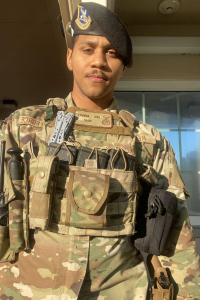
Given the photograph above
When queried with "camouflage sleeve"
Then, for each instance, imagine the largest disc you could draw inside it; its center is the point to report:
(9, 131)
(180, 254)
(23, 126)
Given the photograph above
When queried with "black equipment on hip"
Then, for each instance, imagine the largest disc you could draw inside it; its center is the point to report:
(3, 206)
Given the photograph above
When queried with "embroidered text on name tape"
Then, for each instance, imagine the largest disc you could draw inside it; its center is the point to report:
(94, 119)
(30, 121)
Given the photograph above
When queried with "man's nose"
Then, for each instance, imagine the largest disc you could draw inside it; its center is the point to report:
(99, 60)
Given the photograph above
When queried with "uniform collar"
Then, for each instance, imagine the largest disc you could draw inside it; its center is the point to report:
(113, 107)
(69, 100)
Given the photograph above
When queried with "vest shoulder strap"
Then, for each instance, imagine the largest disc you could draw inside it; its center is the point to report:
(128, 118)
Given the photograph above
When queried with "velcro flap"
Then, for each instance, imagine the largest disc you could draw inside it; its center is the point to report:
(46, 166)
(87, 191)
(40, 206)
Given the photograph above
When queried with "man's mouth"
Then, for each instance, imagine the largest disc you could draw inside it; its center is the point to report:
(97, 77)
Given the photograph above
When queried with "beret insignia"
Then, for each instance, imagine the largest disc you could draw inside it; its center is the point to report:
(83, 20)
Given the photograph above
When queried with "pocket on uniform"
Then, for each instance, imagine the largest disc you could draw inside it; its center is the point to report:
(87, 193)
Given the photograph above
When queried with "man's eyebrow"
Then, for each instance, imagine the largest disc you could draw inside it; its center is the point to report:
(88, 42)
(94, 43)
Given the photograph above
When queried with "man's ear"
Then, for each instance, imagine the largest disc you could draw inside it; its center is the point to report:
(69, 59)
(123, 71)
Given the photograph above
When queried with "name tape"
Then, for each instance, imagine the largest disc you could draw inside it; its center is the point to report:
(93, 119)
(25, 120)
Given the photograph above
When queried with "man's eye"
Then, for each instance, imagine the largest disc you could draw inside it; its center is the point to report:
(112, 53)
(87, 50)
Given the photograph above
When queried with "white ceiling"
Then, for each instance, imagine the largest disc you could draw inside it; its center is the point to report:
(32, 51)
(147, 12)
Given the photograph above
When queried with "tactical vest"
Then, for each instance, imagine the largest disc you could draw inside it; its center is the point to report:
(86, 200)
(69, 199)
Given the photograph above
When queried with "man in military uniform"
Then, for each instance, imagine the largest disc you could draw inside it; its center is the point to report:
(82, 218)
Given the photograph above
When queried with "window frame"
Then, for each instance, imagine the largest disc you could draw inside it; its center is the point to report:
(164, 86)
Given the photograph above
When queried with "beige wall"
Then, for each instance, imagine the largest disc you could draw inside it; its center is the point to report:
(164, 30)
(170, 67)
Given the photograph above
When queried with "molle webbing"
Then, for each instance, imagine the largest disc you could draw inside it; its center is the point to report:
(114, 130)
(124, 229)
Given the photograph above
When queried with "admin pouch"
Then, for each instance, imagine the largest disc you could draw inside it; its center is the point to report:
(162, 207)
(98, 202)
(87, 193)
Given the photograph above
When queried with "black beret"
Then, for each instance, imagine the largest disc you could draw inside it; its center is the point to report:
(95, 19)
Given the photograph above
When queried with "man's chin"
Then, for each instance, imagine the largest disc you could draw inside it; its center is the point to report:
(95, 95)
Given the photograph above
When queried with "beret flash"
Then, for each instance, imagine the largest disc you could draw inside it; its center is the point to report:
(95, 19)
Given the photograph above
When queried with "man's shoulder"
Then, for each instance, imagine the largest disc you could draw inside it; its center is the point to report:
(29, 115)
(33, 110)
(146, 133)
(142, 131)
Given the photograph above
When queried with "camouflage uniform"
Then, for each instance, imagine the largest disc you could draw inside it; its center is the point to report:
(63, 263)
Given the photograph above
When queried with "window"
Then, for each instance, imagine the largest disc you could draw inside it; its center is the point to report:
(177, 116)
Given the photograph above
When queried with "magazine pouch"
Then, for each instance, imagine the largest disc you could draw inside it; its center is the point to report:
(43, 171)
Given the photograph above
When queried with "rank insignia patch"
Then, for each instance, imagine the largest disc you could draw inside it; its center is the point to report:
(83, 20)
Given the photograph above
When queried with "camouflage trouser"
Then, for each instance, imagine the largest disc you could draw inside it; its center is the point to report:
(61, 267)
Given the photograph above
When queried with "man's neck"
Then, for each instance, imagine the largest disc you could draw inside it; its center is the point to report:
(83, 101)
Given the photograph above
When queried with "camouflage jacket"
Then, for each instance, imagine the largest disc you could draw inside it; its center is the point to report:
(28, 125)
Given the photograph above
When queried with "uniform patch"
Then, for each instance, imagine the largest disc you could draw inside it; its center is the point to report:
(146, 139)
(83, 20)
(93, 119)
(25, 120)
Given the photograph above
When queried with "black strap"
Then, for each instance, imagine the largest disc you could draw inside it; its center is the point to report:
(151, 281)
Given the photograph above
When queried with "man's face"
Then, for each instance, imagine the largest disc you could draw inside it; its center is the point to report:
(96, 66)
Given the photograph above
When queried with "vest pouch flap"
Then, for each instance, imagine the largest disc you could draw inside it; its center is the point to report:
(42, 190)
(45, 167)
(87, 193)
(40, 210)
